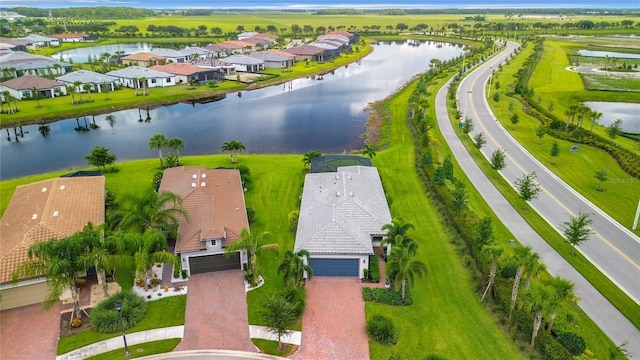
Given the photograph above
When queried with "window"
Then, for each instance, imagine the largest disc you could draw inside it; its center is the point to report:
(168, 79)
(213, 243)
(153, 81)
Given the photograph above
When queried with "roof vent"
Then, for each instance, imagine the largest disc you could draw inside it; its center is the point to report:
(34, 216)
(337, 193)
(351, 193)
(62, 187)
(337, 177)
(204, 176)
(203, 184)
(44, 189)
(193, 185)
(194, 176)
(349, 176)
(56, 213)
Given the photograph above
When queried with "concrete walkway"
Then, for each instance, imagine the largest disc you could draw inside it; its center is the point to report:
(261, 332)
(173, 332)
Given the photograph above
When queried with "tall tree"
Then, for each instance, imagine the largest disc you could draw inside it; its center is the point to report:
(406, 269)
(595, 117)
(278, 315)
(527, 188)
(523, 257)
(233, 147)
(497, 160)
(151, 210)
(562, 293)
(250, 242)
(100, 157)
(176, 143)
(158, 141)
(77, 87)
(614, 129)
(308, 157)
(492, 252)
(576, 230)
(537, 300)
(35, 93)
(396, 227)
(101, 254)
(293, 267)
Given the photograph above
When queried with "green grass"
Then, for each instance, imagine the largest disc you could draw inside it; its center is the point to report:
(576, 168)
(271, 347)
(140, 350)
(610, 83)
(161, 313)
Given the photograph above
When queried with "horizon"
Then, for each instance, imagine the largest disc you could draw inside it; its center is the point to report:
(327, 4)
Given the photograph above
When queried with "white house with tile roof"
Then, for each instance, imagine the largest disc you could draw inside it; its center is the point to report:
(96, 80)
(341, 219)
(129, 75)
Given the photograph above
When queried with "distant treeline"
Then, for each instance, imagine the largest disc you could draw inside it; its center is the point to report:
(551, 11)
(101, 12)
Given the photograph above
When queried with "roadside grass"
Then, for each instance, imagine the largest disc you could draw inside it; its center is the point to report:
(140, 350)
(577, 169)
(271, 347)
(161, 313)
(446, 317)
(610, 83)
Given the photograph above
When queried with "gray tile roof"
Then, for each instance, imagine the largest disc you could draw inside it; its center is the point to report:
(242, 60)
(168, 53)
(341, 211)
(86, 77)
(20, 60)
(38, 38)
(269, 56)
(138, 72)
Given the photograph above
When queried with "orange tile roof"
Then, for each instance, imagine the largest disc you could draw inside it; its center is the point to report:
(214, 199)
(143, 56)
(179, 68)
(52, 208)
(235, 44)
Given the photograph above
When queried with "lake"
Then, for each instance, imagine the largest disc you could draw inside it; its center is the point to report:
(610, 54)
(81, 55)
(611, 111)
(296, 117)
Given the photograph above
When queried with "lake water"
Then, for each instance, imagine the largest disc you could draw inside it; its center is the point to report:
(627, 112)
(602, 54)
(81, 55)
(295, 117)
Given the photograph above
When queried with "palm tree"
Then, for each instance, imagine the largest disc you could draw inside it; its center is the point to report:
(70, 90)
(158, 141)
(562, 293)
(59, 261)
(369, 151)
(135, 85)
(524, 257)
(534, 268)
(233, 146)
(36, 95)
(308, 157)
(405, 268)
(152, 210)
(143, 80)
(101, 255)
(294, 267)
(249, 242)
(493, 252)
(77, 87)
(87, 88)
(595, 117)
(537, 300)
(394, 228)
(145, 250)
(175, 144)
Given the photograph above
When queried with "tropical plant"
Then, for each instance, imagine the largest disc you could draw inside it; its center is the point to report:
(369, 151)
(294, 268)
(101, 254)
(233, 147)
(493, 253)
(250, 242)
(77, 87)
(158, 141)
(176, 143)
(106, 319)
(562, 293)
(161, 211)
(576, 230)
(537, 300)
(397, 227)
(381, 329)
(308, 157)
(144, 250)
(595, 117)
(523, 256)
(405, 267)
(100, 157)
(601, 176)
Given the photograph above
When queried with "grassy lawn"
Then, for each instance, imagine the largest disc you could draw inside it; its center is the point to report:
(160, 313)
(140, 350)
(610, 83)
(576, 168)
(271, 347)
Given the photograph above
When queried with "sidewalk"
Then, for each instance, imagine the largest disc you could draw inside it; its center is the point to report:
(261, 332)
(173, 332)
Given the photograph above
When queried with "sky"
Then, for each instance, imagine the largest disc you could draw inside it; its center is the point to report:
(315, 4)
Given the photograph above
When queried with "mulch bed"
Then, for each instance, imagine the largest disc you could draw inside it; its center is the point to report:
(67, 330)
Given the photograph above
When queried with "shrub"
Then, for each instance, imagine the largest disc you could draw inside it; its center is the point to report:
(433, 357)
(293, 220)
(385, 296)
(374, 269)
(381, 329)
(251, 215)
(550, 349)
(105, 318)
(296, 297)
(572, 342)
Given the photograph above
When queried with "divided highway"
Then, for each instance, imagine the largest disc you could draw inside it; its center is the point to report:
(612, 248)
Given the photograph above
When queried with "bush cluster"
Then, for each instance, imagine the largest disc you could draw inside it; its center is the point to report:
(373, 275)
(105, 318)
(386, 296)
(381, 329)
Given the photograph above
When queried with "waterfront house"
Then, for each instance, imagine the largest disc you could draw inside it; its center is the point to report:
(30, 86)
(132, 76)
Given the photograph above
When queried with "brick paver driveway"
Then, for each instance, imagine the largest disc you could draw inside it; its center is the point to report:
(216, 315)
(29, 332)
(333, 324)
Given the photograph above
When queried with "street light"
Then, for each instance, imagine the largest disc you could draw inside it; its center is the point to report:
(126, 348)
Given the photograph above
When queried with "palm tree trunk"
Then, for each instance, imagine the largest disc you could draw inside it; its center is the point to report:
(404, 286)
(492, 276)
(550, 324)
(105, 287)
(160, 156)
(537, 320)
(516, 288)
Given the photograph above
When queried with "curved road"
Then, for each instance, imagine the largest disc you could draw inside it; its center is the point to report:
(614, 249)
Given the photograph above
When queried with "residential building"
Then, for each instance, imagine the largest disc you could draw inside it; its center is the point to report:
(341, 219)
(307, 53)
(245, 63)
(274, 59)
(210, 63)
(187, 72)
(71, 37)
(97, 81)
(170, 55)
(37, 41)
(214, 199)
(133, 76)
(19, 63)
(143, 59)
(27, 86)
(54, 208)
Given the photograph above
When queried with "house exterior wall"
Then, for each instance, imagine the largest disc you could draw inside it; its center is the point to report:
(161, 82)
(210, 250)
(25, 293)
(363, 260)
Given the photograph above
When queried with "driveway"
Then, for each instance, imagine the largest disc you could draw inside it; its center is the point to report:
(29, 332)
(216, 314)
(333, 324)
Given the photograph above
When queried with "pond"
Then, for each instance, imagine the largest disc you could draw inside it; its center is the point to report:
(296, 117)
(611, 54)
(627, 112)
(81, 55)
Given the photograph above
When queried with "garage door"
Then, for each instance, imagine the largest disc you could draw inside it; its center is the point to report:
(334, 267)
(23, 295)
(211, 263)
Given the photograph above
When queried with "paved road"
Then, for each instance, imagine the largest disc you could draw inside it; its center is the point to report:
(613, 248)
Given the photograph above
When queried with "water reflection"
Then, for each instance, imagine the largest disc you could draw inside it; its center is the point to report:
(611, 111)
(81, 55)
(295, 117)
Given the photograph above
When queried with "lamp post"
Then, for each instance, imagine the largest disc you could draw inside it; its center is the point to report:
(124, 337)
(490, 78)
